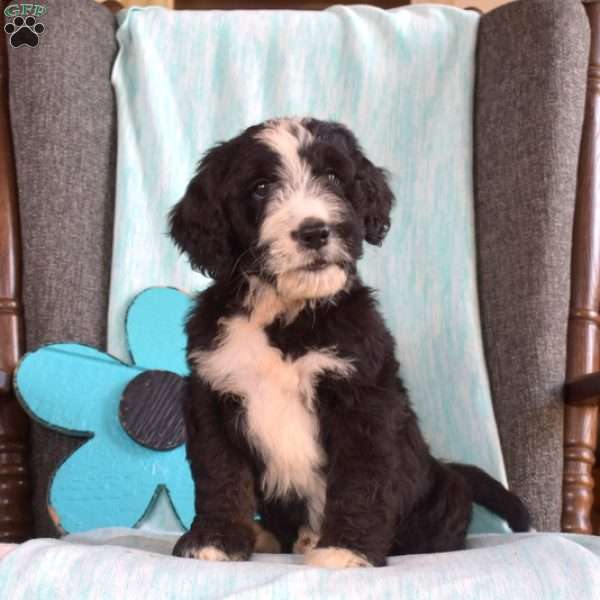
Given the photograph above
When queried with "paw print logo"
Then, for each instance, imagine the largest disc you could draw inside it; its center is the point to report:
(24, 31)
(131, 415)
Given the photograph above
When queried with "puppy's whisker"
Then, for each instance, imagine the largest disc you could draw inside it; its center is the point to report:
(238, 260)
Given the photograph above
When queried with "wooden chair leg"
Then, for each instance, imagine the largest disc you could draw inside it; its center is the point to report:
(15, 489)
(583, 352)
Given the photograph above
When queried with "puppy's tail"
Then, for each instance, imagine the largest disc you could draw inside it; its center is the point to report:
(492, 495)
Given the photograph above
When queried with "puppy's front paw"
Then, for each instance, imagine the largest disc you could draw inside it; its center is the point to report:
(335, 558)
(207, 544)
(206, 553)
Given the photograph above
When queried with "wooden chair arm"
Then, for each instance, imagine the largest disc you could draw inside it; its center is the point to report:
(16, 510)
(583, 390)
(5, 383)
(112, 5)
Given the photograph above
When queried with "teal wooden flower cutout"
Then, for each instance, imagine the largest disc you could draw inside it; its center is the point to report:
(116, 476)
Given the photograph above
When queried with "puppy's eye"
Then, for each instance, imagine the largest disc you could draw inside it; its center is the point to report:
(333, 178)
(260, 191)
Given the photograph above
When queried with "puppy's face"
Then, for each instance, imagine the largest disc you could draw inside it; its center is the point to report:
(291, 201)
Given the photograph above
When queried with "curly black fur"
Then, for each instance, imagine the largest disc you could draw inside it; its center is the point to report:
(385, 493)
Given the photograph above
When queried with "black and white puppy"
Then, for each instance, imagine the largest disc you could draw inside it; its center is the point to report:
(296, 410)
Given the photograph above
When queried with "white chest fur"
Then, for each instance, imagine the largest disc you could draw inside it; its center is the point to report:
(278, 396)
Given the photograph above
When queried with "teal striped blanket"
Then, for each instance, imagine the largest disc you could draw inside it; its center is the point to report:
(131, 565)
(403, 81)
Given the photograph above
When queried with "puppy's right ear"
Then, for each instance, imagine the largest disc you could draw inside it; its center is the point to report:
(199, 226)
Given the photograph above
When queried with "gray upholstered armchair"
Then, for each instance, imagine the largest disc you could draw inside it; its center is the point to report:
(538, 239)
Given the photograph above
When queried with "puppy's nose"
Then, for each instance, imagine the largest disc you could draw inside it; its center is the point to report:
(312, 233)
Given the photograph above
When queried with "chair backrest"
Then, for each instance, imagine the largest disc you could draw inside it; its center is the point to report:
(63, 134)
(532, 65)
(63, 130)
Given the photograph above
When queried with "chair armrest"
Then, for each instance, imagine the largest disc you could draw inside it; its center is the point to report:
(583, 390)
(5, 383)
(112, 5)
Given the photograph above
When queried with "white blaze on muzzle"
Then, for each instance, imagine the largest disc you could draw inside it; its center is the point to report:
(299, 197)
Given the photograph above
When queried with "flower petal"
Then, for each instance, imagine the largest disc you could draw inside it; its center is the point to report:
(72, 388)
(112, 484)
(155, 329)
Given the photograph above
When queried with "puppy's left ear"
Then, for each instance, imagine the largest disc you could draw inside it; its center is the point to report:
(376, 199)
(198, 223)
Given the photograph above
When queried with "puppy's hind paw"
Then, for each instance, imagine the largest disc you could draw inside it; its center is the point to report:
(307, 540)
(265, 541)
(335, 558)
